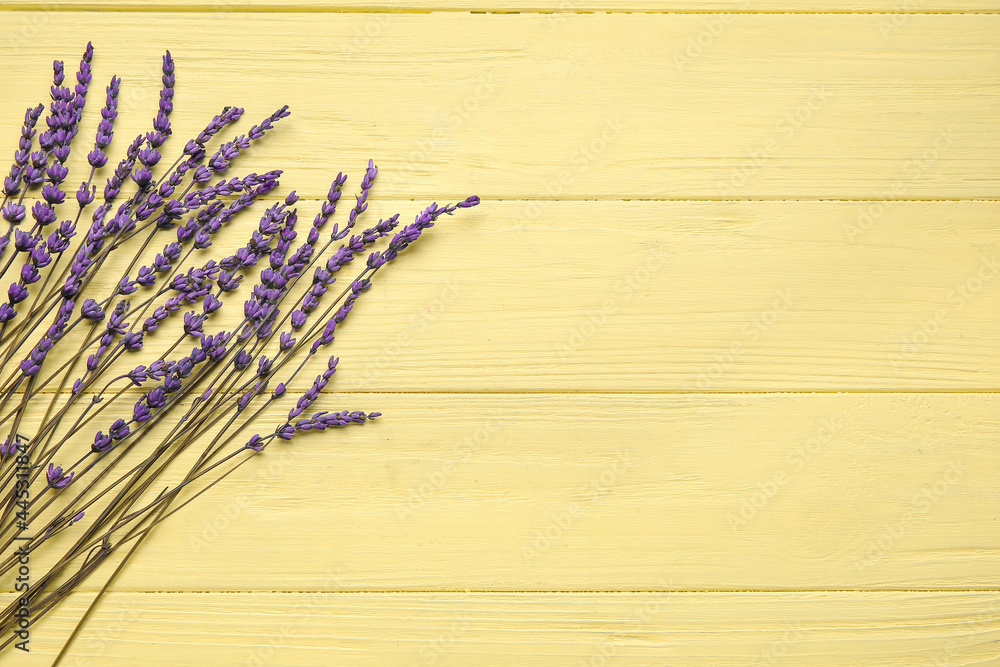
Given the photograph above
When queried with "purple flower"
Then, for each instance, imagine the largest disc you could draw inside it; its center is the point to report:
(56, 478)
(257, 131)
(59, 240)
(152, 322)
(157, 398)
(57, 173)
(92, 310)
(255, 443)
(192, 324)
(323, 420)
(145, 277)
(97, 158)
(137, 375)
(149, 157)
(242, 360)
(140, 412)
(313, 392)
(39, 257)
(7, 312)
(172, 251)
(126, 286)
(58, 73)
(94, 360)
(23, 241)
(119, 430)
(116, 323)
(172, 384)
(211, 304)
(159, 369)
(228, 282)
(8, 448)
(142, 176)
(33, 363)
(17, 293)
(12, 184)
(330, 205)
(215, 346)
(229, 115)
(326, 337)
(14, 213)
(132, 340)
(362, 202)
(29, 274)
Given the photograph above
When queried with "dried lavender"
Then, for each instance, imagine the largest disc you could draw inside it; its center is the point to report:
(94, 460)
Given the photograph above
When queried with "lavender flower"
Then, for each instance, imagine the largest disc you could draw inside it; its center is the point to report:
(181, 209)
(256, 443)
(195, 149)
(102, 443)
(324, 420)
(56, 478)
(105, 129)
(12, 183)
(308, 398)
(8, 448)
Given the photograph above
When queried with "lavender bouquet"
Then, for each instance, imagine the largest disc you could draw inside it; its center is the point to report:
(90, 433)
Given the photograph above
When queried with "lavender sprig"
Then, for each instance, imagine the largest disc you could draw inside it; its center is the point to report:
(14, 213)
(221, 384)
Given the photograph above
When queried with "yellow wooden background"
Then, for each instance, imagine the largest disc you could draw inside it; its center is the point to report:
(708, 379)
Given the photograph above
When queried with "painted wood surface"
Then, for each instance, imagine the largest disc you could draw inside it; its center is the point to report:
(899, 629)
(709, 378)
(609, 492)
(690, 297)
(518, 106)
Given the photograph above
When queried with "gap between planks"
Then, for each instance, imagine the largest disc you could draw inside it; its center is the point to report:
(218, 8)
(528, 592)
(659, 591)
(650, 392)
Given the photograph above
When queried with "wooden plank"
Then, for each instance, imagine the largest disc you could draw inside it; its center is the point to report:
(581, 106)
(383, 629)
(465, 528)
(672, 296)
(603, 492)
(595, 492)
(830, 296)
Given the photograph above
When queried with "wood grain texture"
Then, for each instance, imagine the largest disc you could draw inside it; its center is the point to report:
(679, 208)
(673, 296)
(525, 106)
(606, 492)
(905, 629)
(601, 492)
